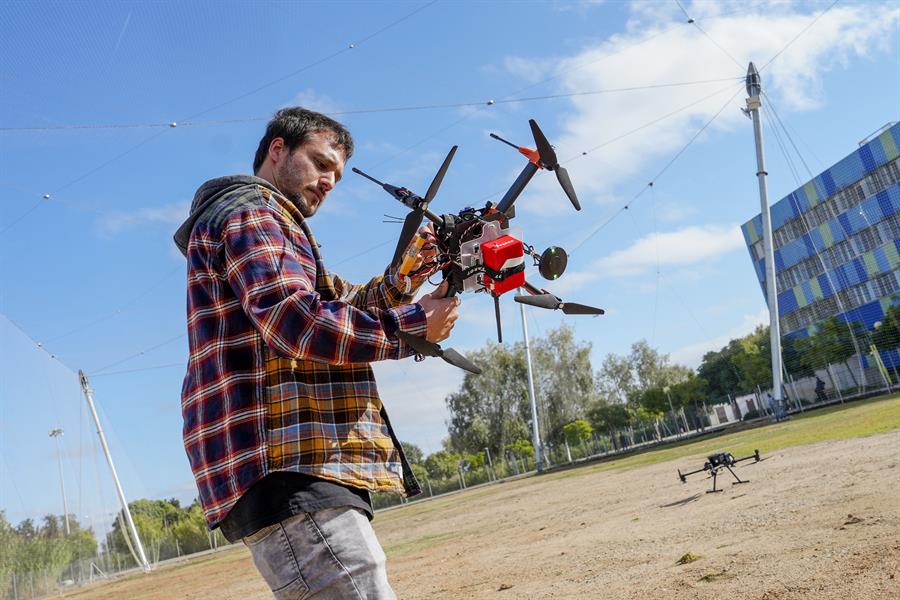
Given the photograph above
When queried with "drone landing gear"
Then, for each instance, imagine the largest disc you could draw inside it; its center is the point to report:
(718, 461)
(715, 473)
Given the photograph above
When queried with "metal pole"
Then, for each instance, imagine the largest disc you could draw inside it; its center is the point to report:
(89, 396)
(754, 89)
(834, 382)
(672, 410)
(535, 432)
(490, 464)
(57, 433)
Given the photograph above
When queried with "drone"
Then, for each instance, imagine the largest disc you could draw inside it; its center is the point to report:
(477, 249)
(718, 461)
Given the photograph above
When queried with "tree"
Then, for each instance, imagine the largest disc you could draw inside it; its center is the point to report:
(564, 380)
(443, 464)
(719, 372)
(493, 408)
(521, 448)
(625, 378)
(9, 546)
(609, 417)
(489, 409)
(577, 432)
(754, 361)
(413, 453)
(191, 531)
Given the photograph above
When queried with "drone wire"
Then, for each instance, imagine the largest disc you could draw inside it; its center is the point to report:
(408, 108)
(316, 62)
(829, 273)
(658, 175)
(771, 106)
(173, 125)
(480, 107)
(151, 368)
(796, 37)
(422, 141)
(776, 55)
(137, 354)
(628, 133)
(693, 22)
(134, 300)
(39, 345)
(653, 205)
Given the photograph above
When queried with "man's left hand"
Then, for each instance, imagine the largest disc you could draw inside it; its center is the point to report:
(426, 253)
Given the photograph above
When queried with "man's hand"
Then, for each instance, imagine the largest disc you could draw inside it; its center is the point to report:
(440, 313)
(427, 253)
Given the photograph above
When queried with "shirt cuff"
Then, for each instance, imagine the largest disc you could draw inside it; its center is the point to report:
(410, 319)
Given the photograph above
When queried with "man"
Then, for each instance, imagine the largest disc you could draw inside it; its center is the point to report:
(283, 426)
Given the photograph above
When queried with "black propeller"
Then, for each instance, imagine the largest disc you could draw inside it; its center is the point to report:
(426, 348)
(550, 162)
(414, 219)
(551, 302)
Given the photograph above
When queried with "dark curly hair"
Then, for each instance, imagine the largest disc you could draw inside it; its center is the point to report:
(293, 125)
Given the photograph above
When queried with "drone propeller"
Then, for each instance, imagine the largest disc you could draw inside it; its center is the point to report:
(551, 302)
(414, 219)
(542, 158)
(550, 162)
(426, 348)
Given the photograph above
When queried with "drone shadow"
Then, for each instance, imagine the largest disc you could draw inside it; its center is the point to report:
(682, 502)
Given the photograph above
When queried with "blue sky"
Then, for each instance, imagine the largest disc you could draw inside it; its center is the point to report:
(92, 274)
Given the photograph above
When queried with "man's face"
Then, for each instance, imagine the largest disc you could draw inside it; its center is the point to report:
(306, 175)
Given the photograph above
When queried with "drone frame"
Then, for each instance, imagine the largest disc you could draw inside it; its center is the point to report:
(544, 157)
(718, 461)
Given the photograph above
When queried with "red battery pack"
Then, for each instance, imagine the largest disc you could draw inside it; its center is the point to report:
(504, 264)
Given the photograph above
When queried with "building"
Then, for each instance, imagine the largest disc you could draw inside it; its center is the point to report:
(837, 241)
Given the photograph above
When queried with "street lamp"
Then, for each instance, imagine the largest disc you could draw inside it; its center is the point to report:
(57, 433)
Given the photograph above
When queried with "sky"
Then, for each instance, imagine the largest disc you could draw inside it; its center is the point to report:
(628, 93)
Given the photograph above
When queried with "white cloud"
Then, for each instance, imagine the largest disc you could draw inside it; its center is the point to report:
(675, 252)
(686, 246)
(311, 99)
(117, 221)
(658, 53)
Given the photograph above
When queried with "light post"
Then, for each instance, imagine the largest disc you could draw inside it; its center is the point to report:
(535, 429)
(57, 433)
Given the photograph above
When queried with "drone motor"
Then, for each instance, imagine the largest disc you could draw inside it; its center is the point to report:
(553, 262)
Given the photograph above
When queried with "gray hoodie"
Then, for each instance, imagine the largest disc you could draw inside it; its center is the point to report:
(208, 195)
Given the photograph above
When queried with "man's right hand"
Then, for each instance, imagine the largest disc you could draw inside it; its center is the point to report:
(440, 313)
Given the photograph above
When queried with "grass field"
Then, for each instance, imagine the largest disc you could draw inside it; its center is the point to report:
(820, 519)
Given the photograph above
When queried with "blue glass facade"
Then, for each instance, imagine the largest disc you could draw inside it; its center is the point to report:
(837, 241)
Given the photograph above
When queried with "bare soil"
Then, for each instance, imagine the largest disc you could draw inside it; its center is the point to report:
(819, 521)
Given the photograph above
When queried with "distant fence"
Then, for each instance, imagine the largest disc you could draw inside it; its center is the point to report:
(32, 585)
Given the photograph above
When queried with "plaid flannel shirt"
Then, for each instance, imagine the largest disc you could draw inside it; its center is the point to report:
(279, 377)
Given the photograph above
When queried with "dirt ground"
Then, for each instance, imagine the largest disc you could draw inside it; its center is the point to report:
(819, 521)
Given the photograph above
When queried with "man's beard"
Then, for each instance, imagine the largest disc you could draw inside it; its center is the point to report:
(303, 205)
(284, 181)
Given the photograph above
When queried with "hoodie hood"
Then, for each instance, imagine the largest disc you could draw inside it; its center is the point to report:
(208, 195)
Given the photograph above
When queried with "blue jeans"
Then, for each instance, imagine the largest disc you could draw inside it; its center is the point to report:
(331, 553)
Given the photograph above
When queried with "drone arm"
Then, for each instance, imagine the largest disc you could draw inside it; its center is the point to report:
(755, 457)
(533, 290)
(516, 188)
(683, 475)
